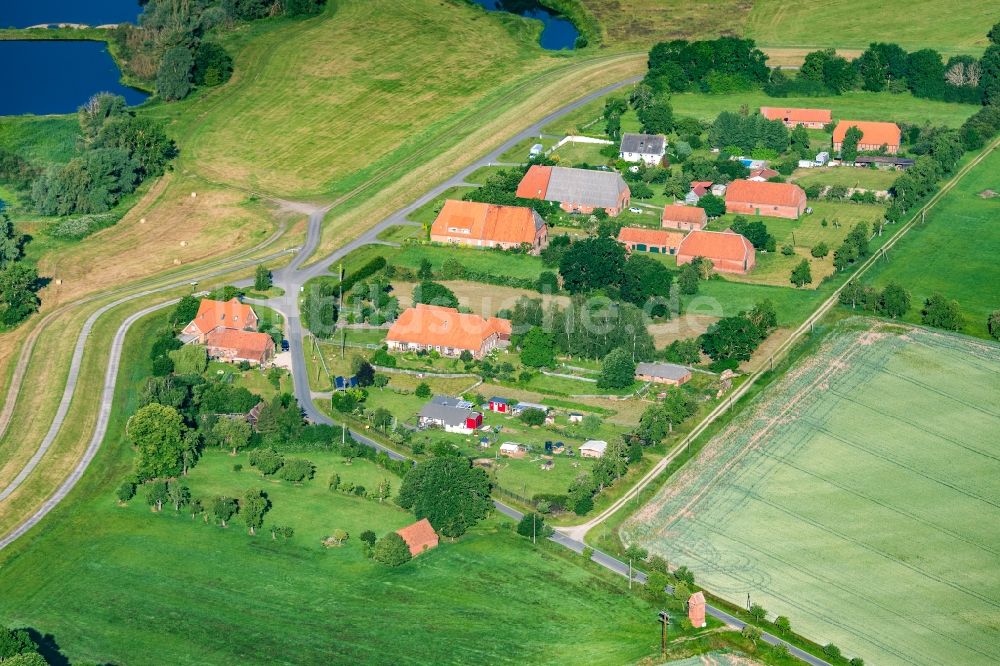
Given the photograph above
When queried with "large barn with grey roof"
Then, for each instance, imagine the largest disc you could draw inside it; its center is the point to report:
(576, 190)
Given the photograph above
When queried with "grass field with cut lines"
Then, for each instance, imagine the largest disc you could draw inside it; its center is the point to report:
(859, 495)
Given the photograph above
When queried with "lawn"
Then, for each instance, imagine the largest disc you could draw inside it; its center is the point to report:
(725, 298)
(40, 139)
(125, 585)
(858, 496)
(954, 252)
(429, 211)
(480, 175)
(519, 152)
(570, 154)
(491, 261)
(869, 179)
(483, 299)
(856, 23)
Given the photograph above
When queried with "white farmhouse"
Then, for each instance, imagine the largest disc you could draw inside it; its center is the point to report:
(648, 148)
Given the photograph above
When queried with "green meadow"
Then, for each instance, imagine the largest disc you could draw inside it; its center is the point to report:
(954, 252)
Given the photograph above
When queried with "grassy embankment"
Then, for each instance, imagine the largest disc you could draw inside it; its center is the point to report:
(149, 562)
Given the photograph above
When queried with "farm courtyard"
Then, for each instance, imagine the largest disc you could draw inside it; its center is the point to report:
(859, 496)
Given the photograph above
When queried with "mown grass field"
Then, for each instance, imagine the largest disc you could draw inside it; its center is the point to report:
(858, 495)
(954, 252)
(125, 585)
(854, 105)
(333, 103)
(961, 28)
(869, 179)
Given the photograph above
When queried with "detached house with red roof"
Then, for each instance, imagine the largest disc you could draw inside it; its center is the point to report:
(576, 190)
(228, 329)
(685, 218)
(810, 118)
(488, 225)
(874, 136)
(447, 331)
(729, 252)
(747, 197)
(657, 241)
(215, 314)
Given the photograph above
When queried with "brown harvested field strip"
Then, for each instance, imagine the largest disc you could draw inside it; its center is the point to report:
(680, 328)
(642, 23)
(483, 299)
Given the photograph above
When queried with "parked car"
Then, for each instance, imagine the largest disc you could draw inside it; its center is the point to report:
(284, 345)
(634, 209)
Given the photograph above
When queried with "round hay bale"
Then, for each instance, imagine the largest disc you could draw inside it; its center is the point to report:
(194, 194)
(177, 262)
(184, 243)
(142, 220)
(58, 281)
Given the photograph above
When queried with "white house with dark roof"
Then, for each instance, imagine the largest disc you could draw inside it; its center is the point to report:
(648, 148)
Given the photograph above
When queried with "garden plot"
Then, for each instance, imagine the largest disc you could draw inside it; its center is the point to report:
(859, 496)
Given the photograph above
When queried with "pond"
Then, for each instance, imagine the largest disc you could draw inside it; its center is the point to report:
(45, 77)
(21, 14)
(557, 32)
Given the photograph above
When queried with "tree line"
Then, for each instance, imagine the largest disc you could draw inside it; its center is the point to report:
(19, 282)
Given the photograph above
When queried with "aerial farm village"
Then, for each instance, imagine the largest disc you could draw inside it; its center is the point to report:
(456, 331)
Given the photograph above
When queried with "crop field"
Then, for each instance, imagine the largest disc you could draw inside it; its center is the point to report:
(856, 23)
(642, 23)
(859, 495)
(954, 252)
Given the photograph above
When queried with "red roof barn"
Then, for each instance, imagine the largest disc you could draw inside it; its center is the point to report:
(729, 252)
(874, 136)
(419, 536)
(811, 118)
(683, 217)
(748, 197)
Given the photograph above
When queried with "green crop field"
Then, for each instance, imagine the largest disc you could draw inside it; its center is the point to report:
(125, 585)
(859, 495)
(869, 179)
(954, 252)
(913, 24)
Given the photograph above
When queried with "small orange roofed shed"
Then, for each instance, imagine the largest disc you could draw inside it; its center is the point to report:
(419, 536)
(535, 183)
(679, 216)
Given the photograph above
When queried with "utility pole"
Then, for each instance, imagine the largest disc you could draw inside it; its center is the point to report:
(533, 528)
(664, 622)
(343, 433)
(630, 573)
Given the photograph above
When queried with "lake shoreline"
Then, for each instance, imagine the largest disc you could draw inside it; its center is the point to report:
(79, 35)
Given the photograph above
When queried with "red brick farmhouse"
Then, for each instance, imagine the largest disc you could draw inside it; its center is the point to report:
(657, 241)
(811, 118)
(488, 225)
(874, 136)
(576, 190)
(683, 217)
(746, 197)
(729, 252)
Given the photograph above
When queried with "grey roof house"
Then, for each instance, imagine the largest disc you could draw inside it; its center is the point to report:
(648, 148)
(576, 190)
(662, 373)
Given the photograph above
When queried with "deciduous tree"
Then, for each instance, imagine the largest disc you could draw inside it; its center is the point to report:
(449, 492)
(253, 506)
(391, 550)
(157, 432)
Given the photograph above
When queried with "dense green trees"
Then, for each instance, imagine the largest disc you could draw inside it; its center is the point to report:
(391, 550)
(212, 65)
(434, 293)
(656, 118)
(617, 370)
(734, 339)
(714, 206)
(538, 348)
(262, 278)
(118, 154)
(592, 264)
(646, 283)
(253, 505)
(720, 65)
(734, 130)
(157, 432)
(754, 231)
(849, 146)
(18, 292)
(941, 312)
(801, 274)
(451, 493)
(173, 79)
(14, 642)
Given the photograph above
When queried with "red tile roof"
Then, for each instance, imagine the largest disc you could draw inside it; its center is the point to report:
(682, 213)
(648, 237)
(482, 221)
(763, 173)
(247, 344)
(766, 194)
(716, 245)
(797, 115)
(436, 326)
(419, 536)
(872, 133)
(229, 314)
(535, 183)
